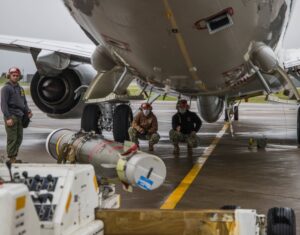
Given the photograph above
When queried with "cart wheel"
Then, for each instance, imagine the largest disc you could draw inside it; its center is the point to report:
(281, 221)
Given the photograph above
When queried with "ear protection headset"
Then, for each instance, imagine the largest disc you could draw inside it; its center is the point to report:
(146, 106)
(14, 70)
(182, 104)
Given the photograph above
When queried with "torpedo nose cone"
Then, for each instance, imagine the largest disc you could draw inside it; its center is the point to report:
(146, 171)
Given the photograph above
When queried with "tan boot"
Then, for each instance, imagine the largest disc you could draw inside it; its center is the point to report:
(176, 149)
(151, 147)
(14, 160)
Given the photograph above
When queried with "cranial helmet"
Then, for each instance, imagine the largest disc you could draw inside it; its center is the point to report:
(182, 104)
(14, 70)
(145, 106)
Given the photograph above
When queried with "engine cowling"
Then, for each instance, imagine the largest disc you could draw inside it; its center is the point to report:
(210, 107)
(55, 95)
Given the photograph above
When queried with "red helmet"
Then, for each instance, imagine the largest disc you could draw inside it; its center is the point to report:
(146, 106)
(182, 104)
(14, 70)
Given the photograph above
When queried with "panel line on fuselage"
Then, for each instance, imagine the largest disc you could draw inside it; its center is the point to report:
(183, 47)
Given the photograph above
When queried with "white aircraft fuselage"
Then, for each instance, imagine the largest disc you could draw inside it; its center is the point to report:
(194, 46)
(214, 51)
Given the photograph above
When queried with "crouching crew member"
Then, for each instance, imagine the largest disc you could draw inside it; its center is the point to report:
(14, 107)
(144, 126)
(185, 125)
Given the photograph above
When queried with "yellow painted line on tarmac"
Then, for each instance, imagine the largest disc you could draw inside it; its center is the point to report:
(184, 185)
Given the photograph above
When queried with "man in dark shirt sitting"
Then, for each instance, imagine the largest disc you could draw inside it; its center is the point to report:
(185, 125)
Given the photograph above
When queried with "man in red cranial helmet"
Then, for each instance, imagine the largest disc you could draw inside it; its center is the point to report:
(14, 107)
(144, 126)
(185, 125)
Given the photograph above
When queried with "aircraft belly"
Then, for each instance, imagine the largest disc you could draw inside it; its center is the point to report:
(143, 33)
(213, 54)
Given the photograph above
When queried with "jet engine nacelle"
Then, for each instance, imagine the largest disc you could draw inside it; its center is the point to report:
(101, 60)
(55, 94)
(210, 107)
(263, 57)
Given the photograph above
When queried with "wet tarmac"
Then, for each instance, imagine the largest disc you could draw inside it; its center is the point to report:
(232, 175)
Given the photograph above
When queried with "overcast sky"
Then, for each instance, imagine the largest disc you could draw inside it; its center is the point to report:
(49, 19)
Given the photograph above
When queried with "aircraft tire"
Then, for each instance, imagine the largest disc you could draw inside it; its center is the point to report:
(122, 119)
(281, 221)
(298, 126)
(236, 113)
(89, 119)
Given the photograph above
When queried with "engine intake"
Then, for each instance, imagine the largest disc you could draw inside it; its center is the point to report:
(55, 95)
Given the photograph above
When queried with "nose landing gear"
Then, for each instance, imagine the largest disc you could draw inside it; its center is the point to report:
(108, 117)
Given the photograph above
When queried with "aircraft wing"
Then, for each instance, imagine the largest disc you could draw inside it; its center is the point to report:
(290, 57)
(77, 51)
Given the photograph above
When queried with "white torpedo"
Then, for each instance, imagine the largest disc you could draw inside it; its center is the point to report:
(110, 159)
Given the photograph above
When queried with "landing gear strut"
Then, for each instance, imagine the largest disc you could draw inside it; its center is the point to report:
(231, 110)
